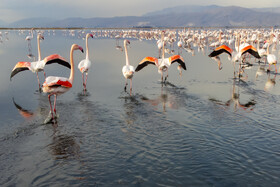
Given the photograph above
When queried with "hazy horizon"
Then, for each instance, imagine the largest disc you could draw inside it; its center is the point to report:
(12, 11)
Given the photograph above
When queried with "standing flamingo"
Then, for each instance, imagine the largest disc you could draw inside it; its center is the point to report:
(28, 38)
(39, 65)
(85, 64)
(127, 70)
(59, 85)
(271, 58)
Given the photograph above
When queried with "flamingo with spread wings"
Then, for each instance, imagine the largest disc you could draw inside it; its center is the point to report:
(39, 65)
(162, 63)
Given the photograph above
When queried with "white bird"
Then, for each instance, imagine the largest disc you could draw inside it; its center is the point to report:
(85, 64)
(39, 65)
(162, 63)
(127, 70)
(28, 38)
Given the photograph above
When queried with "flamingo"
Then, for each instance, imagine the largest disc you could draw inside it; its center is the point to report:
(271, 58)
(85, 64)
(262, 51)
(28, 38)
(58, 85)
(39, 65)
(127, 70)
(162, 64)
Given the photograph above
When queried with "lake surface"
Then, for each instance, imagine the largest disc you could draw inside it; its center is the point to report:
(205, 128)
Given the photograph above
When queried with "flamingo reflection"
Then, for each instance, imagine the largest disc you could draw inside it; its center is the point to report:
(235, 99)
(169, 97)
(26, 114)
(270, 83)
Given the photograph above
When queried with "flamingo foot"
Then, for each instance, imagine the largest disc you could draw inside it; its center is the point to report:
(125, 87)
(85, 87)
(268, 70)
(50, 118)
(165, 78)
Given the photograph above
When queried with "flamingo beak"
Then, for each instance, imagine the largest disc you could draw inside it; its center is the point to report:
(81, 49)
(91, 35)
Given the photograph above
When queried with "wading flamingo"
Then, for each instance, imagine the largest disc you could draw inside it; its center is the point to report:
(162, 63)
(127, 70)
(271, 58)
(29, 37)
(85, 64)
(59, 85)
(39, 65)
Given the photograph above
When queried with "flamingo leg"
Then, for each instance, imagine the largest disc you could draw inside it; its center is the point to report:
(130, 86)
(125, 85)
(44, 74)
(86, 81)
(166, 75)
(54, 104)
(83, 79)
(49, 96)
(275, 68)
(38, 81)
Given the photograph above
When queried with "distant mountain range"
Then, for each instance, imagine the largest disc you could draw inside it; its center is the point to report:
(180, 16)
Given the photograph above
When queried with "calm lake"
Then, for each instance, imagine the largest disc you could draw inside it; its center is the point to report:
(204, 128)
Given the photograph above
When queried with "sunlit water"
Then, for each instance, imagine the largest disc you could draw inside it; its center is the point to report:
(202, 129)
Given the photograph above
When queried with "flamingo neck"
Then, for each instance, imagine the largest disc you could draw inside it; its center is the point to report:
(238, 43)
(258, 45)
(39, 48)
(267, 52)
(163, 43)
(126, 55)
(87, 53)
(71, 78)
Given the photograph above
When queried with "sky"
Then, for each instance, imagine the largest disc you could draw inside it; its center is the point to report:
(13, 10)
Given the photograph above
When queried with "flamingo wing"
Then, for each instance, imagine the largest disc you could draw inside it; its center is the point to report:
(179, 59)
(250, 49)
(145, 62)
(55, 58)
(20, 66)
(53, 81)
(220, 50)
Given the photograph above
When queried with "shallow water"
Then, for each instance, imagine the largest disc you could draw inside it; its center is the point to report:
(205, 128)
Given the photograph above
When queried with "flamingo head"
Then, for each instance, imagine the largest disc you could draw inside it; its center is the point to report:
(41, 37)
(76, 47)
(89, 35)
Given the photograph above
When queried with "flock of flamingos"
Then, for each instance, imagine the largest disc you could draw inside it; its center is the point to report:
(239, 44)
